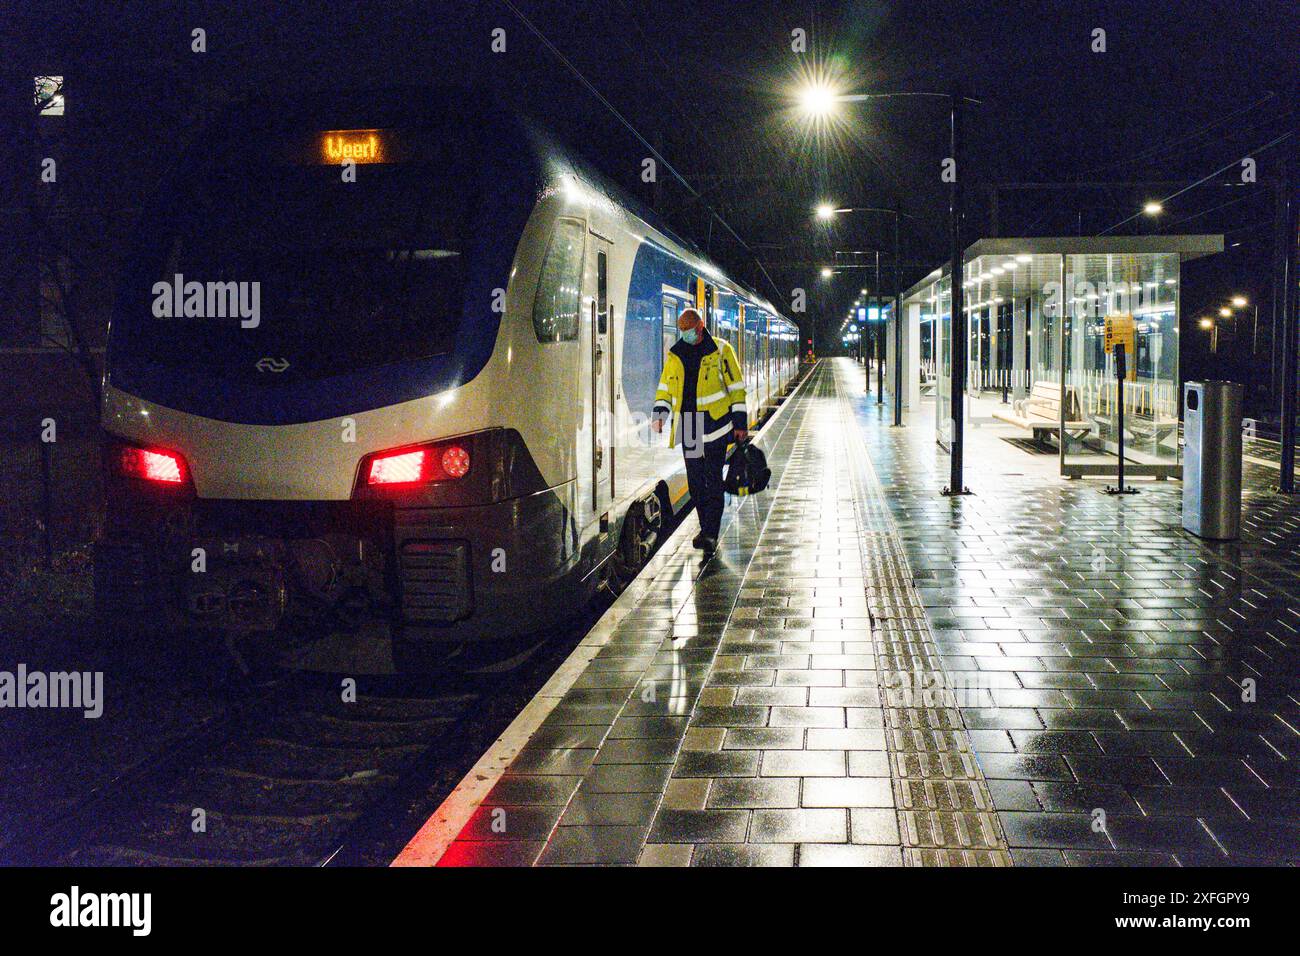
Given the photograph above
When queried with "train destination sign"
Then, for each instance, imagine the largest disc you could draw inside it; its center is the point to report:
(359, 145)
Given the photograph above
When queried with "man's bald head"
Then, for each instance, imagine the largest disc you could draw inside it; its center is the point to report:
(689, 319)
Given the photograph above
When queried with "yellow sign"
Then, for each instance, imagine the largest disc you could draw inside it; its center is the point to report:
(359, 145)
(1120, 331)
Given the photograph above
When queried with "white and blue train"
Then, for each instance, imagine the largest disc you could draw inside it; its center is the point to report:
(393, 356)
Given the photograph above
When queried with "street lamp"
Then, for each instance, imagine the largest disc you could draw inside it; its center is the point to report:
(1241, 302)
(1212, 327)
(1153, 208)
(825, 212)
(827, 272)
(818, 101)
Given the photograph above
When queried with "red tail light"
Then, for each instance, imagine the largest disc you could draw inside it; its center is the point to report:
(418, 466)
(398, 469)
(165, 467)
(455, 461)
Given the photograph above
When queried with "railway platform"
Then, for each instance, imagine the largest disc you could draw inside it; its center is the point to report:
(870, 674)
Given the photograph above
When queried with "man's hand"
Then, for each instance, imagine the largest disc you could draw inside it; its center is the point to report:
(657, 424)
(741, 435)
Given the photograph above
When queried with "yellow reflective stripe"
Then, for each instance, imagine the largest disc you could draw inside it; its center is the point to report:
(735, 385)
(710, 399)
(717, 434)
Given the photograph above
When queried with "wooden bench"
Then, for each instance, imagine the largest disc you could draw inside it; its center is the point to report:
(1040, 412)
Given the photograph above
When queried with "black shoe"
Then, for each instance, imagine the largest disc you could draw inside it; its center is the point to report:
(705, 543)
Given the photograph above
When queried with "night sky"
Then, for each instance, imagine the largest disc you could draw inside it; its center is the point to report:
(1182, 90)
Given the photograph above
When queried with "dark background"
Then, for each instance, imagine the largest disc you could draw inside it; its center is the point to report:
(1182, 90)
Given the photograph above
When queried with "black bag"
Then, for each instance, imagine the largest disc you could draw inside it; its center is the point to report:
(747, 471)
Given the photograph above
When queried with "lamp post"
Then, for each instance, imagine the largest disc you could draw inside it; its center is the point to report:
(1241, 302)
(957, 384)
(878, 338)
(1209, 325)
(1228, 310)
(1286, 266)
(828, 211)
(819, 100)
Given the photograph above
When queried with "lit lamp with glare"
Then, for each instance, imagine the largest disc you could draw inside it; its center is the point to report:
(817, 100)
(1241, 302)
(1212, 327)
(1227, 312)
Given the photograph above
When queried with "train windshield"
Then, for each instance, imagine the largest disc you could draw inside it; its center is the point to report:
(309, 265)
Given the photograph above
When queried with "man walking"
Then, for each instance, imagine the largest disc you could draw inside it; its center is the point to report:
(703, 389)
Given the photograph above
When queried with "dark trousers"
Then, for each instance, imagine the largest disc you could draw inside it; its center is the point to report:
(704, 476)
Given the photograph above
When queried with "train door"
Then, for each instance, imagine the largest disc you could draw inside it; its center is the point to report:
(601, 384)
(704, 304)
(769, 374)
(670, 310)
(743, 357)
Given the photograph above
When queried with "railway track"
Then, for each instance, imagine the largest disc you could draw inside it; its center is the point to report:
(288, 772)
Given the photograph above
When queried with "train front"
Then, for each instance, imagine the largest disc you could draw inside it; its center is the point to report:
(299, 426)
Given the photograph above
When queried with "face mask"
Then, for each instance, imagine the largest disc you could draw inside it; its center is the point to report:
(690, 336)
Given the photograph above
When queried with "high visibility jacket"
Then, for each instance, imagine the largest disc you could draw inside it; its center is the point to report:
(719, 390)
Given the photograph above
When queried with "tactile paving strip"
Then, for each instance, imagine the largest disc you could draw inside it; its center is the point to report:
(944, 807)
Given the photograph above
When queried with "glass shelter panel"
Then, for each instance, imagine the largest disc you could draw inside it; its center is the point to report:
(1128, 301)
(940, 305)
(1012, 307)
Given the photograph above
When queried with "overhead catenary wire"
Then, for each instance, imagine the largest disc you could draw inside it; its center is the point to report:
(1204, 179)
(1206, 212)
(568, 64)
(1159, 149)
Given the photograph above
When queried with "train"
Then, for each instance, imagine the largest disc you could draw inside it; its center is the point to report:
(391, 356)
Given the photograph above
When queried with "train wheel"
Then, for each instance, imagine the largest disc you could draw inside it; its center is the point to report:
(610, 581)
(641, 530)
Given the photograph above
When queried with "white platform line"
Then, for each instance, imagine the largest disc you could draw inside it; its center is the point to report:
(428, 845)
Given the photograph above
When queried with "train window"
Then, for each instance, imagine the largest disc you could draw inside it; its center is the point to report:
(602, 291)
(559, 290)
(343, 276)
(670, 327)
